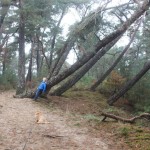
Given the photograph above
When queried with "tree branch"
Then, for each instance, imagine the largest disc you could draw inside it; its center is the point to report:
(118, 118)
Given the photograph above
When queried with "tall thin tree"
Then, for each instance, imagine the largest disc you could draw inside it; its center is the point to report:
(21, 59)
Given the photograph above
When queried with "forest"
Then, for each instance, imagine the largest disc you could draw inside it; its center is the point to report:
(33, 45)
(95, 46)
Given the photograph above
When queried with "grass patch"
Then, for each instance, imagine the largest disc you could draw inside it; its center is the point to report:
(124, 131)
(89, 105)
(91, 117)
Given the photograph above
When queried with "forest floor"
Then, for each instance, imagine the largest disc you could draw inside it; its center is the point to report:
(74, 124)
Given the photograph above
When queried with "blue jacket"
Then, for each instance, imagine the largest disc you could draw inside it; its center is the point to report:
(42, 86)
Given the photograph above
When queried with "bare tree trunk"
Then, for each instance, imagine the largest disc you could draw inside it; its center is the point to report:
(129, 84)
(63, 55)
(29, 74)
(102, 78)
(57, 26)
(21, 61)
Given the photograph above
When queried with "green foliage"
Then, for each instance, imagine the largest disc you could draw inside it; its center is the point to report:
(84, 82)
(8, 80)
(147, 108)
(124, 131)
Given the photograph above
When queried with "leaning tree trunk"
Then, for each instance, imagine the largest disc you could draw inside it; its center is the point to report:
(21, 61)
(83, 70)
(129, 84)
(91, 62)
(54, 41)
(84, 25)
(29, 74)
(122, 29)
(56, 79)
(111, 36)
(102, 78)
(63, 57)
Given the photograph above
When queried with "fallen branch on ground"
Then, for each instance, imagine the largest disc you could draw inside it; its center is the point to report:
(131, 120)
(53, 136)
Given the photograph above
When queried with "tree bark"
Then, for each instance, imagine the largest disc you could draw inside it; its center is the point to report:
(102, 78)
(21, 61)
(53, 43)
(129, 84)
(64, 55)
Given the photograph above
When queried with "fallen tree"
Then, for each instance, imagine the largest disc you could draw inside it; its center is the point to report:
(118, 118)
(129, 84)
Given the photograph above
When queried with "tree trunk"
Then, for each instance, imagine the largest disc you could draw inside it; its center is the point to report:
(65, 51)
(29, 74)
(129, 84)
(102, 78)
(83, 70)
(21, 61)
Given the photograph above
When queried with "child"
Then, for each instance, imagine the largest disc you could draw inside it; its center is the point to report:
(41, 89)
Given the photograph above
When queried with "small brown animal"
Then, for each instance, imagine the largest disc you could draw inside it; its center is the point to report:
(40, 119)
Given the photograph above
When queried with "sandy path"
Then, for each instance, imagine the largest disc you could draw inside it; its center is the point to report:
(19, 130)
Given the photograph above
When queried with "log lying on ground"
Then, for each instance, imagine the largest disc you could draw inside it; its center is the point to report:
(131, 120)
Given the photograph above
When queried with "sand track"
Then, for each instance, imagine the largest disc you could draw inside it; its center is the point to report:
(19, 130)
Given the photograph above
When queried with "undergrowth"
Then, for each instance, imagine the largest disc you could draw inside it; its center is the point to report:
(136, 136)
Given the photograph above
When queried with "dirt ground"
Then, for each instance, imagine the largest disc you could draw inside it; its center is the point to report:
(20, 131)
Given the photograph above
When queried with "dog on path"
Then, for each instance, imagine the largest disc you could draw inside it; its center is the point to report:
(40, 118)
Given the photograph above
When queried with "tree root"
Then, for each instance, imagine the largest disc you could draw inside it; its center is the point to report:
(25, 95)
(131, 120)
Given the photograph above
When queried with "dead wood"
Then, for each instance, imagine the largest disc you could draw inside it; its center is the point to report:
(118, 118)
(53, 136)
